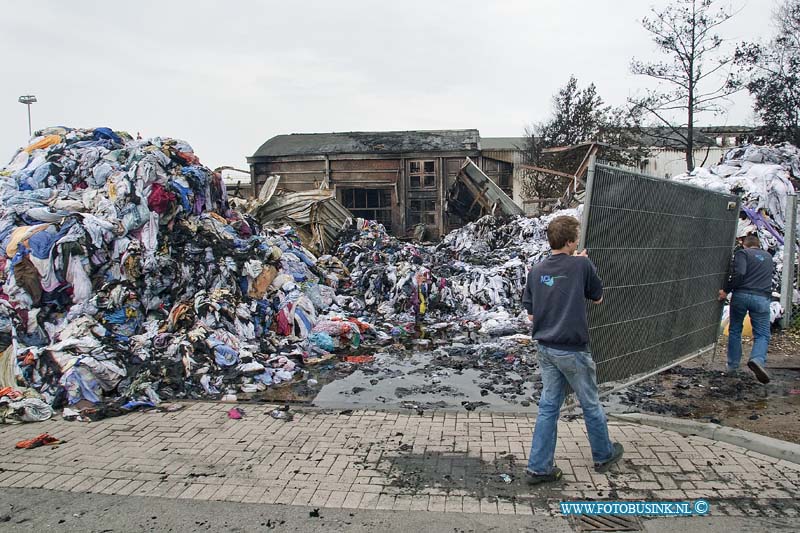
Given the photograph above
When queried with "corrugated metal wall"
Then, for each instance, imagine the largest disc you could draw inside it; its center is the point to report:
(666, 162)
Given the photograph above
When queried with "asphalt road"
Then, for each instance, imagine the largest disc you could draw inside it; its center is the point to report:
(42, 510)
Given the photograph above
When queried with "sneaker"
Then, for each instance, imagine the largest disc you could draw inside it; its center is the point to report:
(535, 479)
(615, 457)
(758, 370)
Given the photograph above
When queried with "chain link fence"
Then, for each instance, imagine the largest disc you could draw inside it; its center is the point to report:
(662, 249)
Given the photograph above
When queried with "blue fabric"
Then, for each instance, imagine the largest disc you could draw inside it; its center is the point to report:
(5, 238)
(39, 176)
(761, 223)
(556, 294)
(42, 243)
(130, 406)
(322, 340)
(224, 355)
(560, 367)
(40, 196)
(300, 255)
(115, 317)
(103, 143)
(183, 192)
(81, 384)
(196, 173)
(757, 306)
(300, 314)
(106, 133)
(295, 269)
(263, 316)
(121, 324)
(22, 251)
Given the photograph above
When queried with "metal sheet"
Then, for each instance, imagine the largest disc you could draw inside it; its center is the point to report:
(485, 192)
(662, 249)
(268, 189)
(317, 216)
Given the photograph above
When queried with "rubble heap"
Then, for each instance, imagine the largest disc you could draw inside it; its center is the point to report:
(126, 274)
(764, 176)
(128, 279)
(476, 273)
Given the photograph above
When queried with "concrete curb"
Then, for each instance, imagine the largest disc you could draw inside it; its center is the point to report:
(779, 449)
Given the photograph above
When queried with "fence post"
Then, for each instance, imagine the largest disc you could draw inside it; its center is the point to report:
(587, 198)
(787, 281)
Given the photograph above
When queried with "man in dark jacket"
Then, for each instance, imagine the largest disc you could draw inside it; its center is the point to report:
(555, 298)
(751, 284)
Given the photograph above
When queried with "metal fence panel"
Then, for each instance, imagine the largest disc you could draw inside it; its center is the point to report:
(662, 249)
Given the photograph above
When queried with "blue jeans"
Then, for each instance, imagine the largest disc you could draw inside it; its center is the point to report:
(560, 367)
(758, 307)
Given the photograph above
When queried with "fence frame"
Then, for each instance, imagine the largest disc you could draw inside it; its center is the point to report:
(675, 354)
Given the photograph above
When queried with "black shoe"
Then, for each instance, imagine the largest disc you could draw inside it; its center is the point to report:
(758, 370)
(615, 457)
(535, 479)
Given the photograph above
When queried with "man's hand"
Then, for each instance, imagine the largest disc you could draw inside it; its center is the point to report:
(722, 295)
(583, 253)
(530, 318)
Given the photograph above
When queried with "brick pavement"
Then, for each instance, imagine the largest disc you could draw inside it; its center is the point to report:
(441, 461)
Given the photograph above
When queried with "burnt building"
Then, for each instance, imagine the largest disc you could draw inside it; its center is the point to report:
(400, 178)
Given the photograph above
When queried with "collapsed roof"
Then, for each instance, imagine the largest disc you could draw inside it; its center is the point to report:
(366, 142)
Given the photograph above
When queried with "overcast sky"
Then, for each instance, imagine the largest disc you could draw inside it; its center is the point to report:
(226, 76)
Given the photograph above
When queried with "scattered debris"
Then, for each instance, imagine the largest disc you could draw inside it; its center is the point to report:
(471, 406)
(44, 439)
(763, 176)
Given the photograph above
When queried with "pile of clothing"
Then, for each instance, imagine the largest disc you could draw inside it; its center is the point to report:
(764, 176)
(477, 272)
(127, 275)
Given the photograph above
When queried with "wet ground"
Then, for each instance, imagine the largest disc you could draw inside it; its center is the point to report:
(489, 373)
(701, 391)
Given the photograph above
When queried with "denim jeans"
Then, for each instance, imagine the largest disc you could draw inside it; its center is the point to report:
(560, 367)
(758, 307)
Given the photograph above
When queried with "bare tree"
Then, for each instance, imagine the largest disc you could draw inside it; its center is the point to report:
(695, 77)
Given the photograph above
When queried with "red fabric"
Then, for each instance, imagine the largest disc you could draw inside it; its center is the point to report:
(160, 198)
(284, 328)
(28, 360)
(359, 358)
(10, 392)
(42, 440)
(189, 157)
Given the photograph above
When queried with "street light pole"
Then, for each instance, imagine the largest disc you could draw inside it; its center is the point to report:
(28, 99)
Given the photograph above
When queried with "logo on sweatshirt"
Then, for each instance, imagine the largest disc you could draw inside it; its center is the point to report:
(549, 280)
(760, 257)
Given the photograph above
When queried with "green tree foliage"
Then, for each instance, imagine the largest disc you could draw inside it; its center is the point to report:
(579, 115)
(771, 73)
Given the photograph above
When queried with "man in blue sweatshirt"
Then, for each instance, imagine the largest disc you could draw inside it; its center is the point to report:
(555, 298)
(751, 284)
